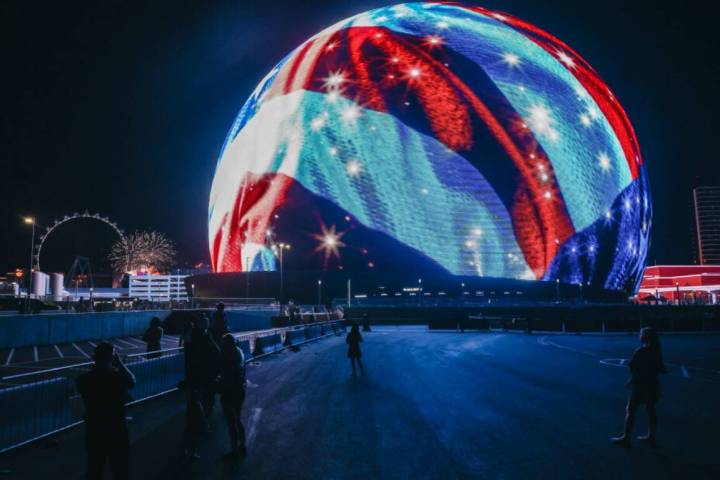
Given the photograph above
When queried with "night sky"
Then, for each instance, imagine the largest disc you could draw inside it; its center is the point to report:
(122, 107)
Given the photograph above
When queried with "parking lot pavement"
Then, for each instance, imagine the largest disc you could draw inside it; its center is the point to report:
(28, 359)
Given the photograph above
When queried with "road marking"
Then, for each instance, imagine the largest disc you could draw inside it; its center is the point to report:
(80, 350)
(60, 354)
(547, 343)
(136, 342)
(252, 427)
(9, 358)
(92, 344)
(684, 372)
(132, 345)
(35, 353)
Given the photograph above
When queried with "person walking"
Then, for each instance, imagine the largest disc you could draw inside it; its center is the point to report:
(353, 340)
(104, 390)
(219, 326)
(645, 365)
(232, 393)
(152, 337)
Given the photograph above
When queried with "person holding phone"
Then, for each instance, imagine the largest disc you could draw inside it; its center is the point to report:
(104, 390)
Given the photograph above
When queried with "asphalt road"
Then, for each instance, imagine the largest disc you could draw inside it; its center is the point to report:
(437, 405)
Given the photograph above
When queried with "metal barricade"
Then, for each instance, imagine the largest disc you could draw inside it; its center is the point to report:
(37, 404)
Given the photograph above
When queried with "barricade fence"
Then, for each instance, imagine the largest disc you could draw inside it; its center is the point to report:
(37, 404)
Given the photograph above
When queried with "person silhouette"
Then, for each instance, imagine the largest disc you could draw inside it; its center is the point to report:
(353, 340)
(232, 393)
(104, 390)
(152, 337)
(219, 326)
(645, 365)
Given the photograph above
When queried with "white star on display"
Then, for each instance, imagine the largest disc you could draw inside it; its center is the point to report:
(608, 215)
(502, 18)
(544, 177)
(477, 232)
(565, 58)
(395, 59)
(547, 195)
(434, 40)
(604, 161)
(331, 46)
(350, 113)
(511, 59)
(585, 119)
(329, 242)
(333, 151)
(627, 204)
(334, 80)
(381, 19)
(424, 191)
(332, 96)
(540, 122)
(442, 24)
(353, 168)
(414, 72)
(318, 122)
(470, 244)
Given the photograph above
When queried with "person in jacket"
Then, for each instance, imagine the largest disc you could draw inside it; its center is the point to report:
(645, 366)
(152, 337)
(353, 340)
(104, 390)
(232, 393)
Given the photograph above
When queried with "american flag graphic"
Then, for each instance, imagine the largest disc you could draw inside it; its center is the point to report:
(434, 136)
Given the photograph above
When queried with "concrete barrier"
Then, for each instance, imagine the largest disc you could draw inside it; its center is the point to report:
(46, 329)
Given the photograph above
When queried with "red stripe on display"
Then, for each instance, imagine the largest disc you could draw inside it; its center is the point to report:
(588, 78)
(257, 198)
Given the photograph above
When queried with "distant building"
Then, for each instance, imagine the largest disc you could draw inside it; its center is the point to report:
(686, 283)
(158, 287)
(707, 223)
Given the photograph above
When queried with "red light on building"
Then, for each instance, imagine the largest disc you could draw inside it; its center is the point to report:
(688, 283)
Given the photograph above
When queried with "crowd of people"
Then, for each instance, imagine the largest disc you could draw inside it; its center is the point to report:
(215, 366)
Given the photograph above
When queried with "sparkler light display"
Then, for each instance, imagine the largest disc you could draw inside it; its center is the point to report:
(428, 136)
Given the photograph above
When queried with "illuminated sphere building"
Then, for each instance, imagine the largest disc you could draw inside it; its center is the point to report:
(434, 138)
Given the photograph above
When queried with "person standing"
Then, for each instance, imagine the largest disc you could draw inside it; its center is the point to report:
(645, 365)
(152, 337)
(219, 325)
(232, 393)
(104, 390)
(202, 364)
(353, 340)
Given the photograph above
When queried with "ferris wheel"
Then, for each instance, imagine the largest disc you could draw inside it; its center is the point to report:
(69, 218)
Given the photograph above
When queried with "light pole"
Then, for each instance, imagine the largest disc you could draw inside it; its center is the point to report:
(30, 221)
(420, 291)
(677, 289)
(319, 293)
(192, 290)
(283, 246)
(247, 278)
(557, 290)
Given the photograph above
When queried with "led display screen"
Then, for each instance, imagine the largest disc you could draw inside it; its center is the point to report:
(434, 137)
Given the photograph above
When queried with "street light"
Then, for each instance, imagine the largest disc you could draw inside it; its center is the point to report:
(282, 246)
(677, 288)
(557, 290)
(30, 221)
(192, 291)
(319, 293)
